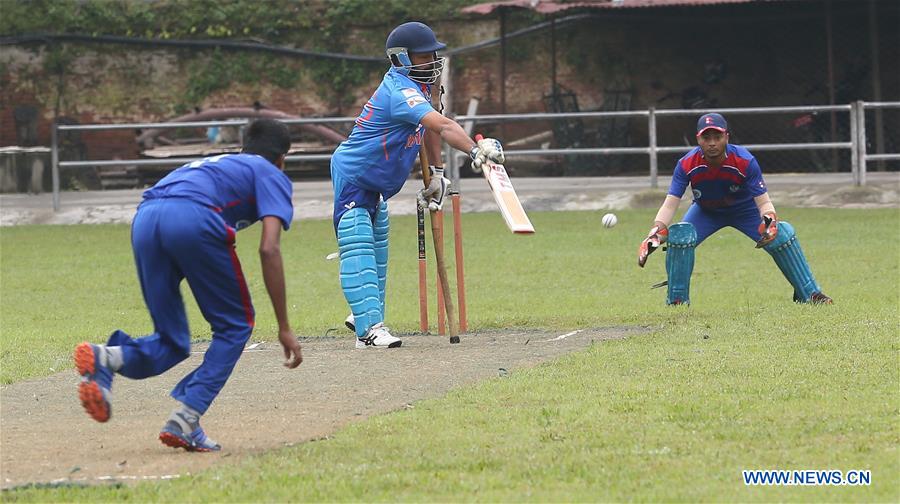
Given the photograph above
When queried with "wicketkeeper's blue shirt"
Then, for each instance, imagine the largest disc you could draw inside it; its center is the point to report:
(734, 184)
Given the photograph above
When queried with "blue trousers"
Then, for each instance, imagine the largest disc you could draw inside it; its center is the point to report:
(744, 218)
(175, 239)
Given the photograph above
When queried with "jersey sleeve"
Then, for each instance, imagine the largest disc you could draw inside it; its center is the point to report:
(680, 181)
(273, 196)
(409, 105)
(755, 183)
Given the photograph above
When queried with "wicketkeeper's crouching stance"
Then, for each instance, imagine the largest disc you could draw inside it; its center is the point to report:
(185, 229)
(728, 190)
(373, 163)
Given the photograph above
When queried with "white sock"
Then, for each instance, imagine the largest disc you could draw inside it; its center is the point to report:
(114, 358)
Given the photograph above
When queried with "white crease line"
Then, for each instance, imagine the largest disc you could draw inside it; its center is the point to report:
(251, 348)
(564, 336)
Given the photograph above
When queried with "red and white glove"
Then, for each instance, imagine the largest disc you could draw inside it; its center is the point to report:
(768, 229)
(658, 235)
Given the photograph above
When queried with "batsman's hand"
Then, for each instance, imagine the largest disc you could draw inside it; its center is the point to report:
(658, 235)
(432, 197)
(768, 229)
(292, 354)
(486, 149)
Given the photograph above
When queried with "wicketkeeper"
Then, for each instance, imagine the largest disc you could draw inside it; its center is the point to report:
(185, 229)
(728, 190)
(373, 163)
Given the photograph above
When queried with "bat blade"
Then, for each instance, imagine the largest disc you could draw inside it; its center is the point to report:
(507, 199)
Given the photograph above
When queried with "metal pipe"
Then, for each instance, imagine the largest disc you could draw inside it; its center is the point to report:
(54, 163)
(854, 139)
(659, 112)
(651, 132)
(198, 124)
(861, 142)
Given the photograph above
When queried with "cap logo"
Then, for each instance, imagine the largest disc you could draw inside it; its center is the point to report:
(709, 120)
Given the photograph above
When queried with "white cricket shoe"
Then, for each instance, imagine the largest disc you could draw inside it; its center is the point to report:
(350, 322)
(378, 337)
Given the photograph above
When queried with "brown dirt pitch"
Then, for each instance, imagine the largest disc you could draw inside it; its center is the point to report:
(48, 438)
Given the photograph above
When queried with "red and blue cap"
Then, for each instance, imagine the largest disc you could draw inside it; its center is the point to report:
(714, 121)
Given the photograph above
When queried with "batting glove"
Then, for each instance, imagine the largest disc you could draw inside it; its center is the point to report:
(768, 229)
(487, 149)
(432, 197)
(658, 235)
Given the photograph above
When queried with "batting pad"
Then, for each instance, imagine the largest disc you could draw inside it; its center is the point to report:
(382, 225)
(788, 255)
(680, 262)
(359, 279)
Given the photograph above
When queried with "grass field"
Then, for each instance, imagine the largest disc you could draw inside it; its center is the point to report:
(743, 379)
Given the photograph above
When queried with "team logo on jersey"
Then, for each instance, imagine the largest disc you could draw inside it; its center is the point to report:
(734, 188)
(350, 206)
(413, 97)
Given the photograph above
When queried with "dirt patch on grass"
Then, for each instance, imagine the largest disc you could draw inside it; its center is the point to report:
(47, 437)
(651, 198)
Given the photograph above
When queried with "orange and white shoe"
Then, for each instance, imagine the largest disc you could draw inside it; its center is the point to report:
(95, 389)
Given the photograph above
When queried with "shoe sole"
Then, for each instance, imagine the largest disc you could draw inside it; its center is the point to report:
(93, 401)
(175, 441)
(395, 344)
(84, 359)
(88, 390)
(350, 326)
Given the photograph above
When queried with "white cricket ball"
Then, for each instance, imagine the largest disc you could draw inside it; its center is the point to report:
(609, 220)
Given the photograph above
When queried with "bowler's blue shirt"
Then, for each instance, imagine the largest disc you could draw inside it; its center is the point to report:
(243, 188)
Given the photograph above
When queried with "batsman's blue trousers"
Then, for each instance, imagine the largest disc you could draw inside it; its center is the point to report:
(174, 239)
(745, 218)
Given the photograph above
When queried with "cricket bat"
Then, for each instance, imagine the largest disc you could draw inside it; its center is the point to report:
(506, 197)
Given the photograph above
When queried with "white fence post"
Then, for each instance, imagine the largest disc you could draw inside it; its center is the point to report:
(651, 129)
(861, 142)
(54, 163)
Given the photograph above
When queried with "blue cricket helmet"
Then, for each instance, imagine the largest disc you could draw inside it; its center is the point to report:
(415, 38)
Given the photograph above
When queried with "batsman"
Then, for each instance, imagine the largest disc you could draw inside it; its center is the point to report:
(373, 163)
(728, 190)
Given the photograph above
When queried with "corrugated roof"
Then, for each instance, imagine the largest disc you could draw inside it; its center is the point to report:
(551, 7)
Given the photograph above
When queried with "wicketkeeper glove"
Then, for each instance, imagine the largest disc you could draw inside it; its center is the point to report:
(768, 229)
(432, 197)
(658, 235)
(487, 149)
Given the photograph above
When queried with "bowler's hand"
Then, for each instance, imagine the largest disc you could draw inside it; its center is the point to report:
(292, 354)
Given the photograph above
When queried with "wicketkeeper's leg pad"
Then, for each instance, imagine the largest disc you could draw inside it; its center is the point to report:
(359, 277)
(680, 262)
(382, 225)
(788, 255)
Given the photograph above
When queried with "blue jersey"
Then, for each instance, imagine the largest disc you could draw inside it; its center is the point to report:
(733, 184)
(385, 141)
(243, 188)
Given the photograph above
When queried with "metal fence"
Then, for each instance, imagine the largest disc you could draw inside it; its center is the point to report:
(856, 144)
